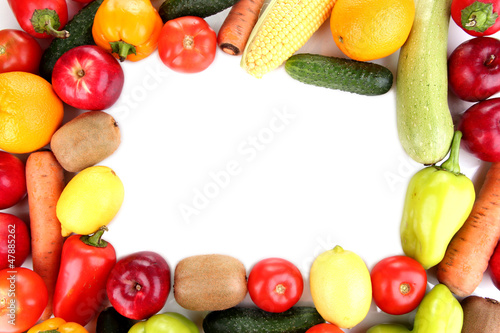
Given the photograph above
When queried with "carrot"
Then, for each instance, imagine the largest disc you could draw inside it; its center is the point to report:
(236, 28)
(45, 182)
(466, 258)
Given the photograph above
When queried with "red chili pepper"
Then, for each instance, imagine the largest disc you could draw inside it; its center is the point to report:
(41, 18)
(81, 284)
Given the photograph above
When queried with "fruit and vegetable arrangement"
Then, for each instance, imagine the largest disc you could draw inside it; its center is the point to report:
(80, 252)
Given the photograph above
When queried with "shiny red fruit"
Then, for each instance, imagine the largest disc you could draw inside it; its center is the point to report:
(494, 266)
(480, 127)
(139, 284)
(12, 180)
(15, 242)
(474, 69)
(398, 284)
(275, 284)
(88, 78)
(19, 51)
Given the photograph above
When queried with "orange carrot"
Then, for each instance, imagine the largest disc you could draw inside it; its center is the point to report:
(45, 182)
(469, 251)
(236, 28)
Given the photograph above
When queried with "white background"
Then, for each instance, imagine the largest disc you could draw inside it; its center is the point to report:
(311, 168)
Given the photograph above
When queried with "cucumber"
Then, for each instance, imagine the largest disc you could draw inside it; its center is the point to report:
(253, 320)
(171, 9)
(80, 30)
(349, 75)
(424, 122)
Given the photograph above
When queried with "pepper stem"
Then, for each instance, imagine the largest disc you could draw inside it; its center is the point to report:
(478, 16)
(50, 331)
(451, 164)
(123, 49)
(95, 238)
(47, 21)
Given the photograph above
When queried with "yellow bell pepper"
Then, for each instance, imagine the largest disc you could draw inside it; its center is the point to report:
(57, 325)
(128, 28)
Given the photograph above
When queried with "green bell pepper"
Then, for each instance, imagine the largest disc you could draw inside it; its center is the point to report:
(438, 201)
(439, 312)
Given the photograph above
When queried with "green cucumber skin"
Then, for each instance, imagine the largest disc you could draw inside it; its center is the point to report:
(349, 75)
(171, 9)
(424, 122)
(253, 320)
(80, 29)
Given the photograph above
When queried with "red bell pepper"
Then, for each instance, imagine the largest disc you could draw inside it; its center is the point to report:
(41, 18)
(80, 292)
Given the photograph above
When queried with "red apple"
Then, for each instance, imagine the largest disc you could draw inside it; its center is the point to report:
(139, 284)
(474, 69)
(495, 267)
(88, 78)
(480, 127)
(12, 180)
(14, 241)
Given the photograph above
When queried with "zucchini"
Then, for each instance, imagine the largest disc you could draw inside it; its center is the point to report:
(171, 9)
(349, 75)
(254, 320)
(80, 33)
(424, 122)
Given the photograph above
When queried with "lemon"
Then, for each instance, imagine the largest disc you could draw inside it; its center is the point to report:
(89, 201)
(341, 287)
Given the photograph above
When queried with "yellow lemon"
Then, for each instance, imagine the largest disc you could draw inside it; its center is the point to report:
(90, 200)
(341, 287)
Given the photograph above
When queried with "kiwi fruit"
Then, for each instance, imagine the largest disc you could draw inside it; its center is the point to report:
(481, 315)
(209, 282)
(85, 140)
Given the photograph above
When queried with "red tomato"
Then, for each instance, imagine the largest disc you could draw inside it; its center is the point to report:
(465, 12)
(19, 52)
(275, 284)
(187, 44)
(23, 298)
(324, 328)
(398, 284)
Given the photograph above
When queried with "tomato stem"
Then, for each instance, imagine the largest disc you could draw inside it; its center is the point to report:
(280, 289)
(188, 42)
(404, 288)
(2, 49)
(478, 16)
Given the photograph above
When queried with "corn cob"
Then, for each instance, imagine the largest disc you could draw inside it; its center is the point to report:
(282, 29)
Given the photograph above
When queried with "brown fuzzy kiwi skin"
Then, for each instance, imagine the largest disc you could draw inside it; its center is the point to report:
(209, 282)
(481, 314)
(85, 140)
